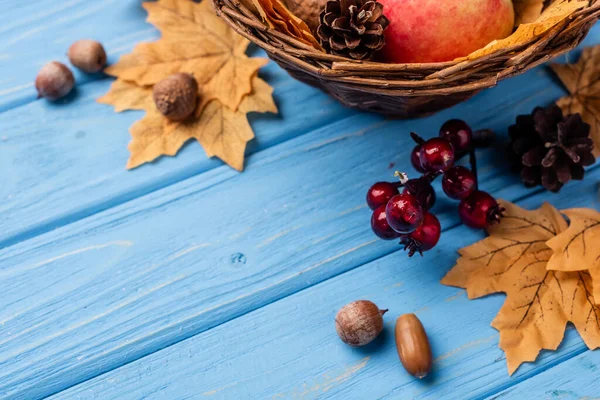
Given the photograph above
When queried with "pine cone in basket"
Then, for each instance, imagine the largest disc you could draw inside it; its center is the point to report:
(550, 149)
(352, 28)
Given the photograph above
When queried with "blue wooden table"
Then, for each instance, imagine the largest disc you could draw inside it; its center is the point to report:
(185, 279)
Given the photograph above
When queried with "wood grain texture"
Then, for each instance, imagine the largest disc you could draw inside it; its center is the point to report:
(123, 283)
(34, 33)
(289, 349)
(61, 162)
(570, 380)
(102, 266)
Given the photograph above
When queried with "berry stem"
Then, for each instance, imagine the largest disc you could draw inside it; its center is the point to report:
(418, 139)
(473, 162)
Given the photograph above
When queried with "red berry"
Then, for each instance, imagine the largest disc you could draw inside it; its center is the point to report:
(380, 193)
(437, 155)
(422, 190)
(458, 182)
(479, 210)
(380, 225)
(404, 213)
(425, 237)
(459, 134)
(415, 159)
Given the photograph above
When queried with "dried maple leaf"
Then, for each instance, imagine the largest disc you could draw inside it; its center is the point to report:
(577, 249)
(556, 12)
(125, 95)
(582, 80)
(221, 132)
(277, 16)
(527, 11)
(196, 41)
(539, 302)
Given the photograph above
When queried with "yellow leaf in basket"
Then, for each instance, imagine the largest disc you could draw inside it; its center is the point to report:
(556, 12)
(527, 11)
(194, 40)
(278, 17)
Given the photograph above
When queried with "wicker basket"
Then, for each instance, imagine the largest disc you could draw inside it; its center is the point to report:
(405, 90)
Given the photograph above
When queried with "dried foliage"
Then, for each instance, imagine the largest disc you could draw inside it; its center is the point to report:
(515, 259)
(194, 40)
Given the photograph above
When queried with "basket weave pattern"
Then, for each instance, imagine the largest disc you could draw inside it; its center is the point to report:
(405, 90)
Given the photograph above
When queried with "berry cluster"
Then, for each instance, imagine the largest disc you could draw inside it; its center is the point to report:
(407, 215)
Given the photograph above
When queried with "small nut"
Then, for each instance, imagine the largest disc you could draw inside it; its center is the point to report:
(87, 55)
(413, 346)
(55, 80)
(359, 323)
(176, 96)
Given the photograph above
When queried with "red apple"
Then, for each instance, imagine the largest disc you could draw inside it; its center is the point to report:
(423, 31)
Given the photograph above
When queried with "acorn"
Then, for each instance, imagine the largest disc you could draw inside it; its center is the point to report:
(55, 80)
(87, 55)
(413, 346)
(176, 96)
(359, 323)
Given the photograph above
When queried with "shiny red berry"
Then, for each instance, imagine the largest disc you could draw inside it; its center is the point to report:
(380, 193)
(415, 159)
(422, 190)
(380, 225)
(459, 133)
(437, 155)
(425, 237)
(479, 210)
(404, 213)
(458, 183)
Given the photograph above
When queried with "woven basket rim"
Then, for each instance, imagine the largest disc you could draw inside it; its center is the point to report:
(406, 90)
(425, 78)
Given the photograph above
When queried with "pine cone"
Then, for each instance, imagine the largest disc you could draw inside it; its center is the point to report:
(352, 28)
(550, 149)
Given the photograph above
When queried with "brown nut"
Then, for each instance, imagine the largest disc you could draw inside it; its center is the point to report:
(55, 80)
(87, 55)
(413, 346)
(359, 322)
(176, 96)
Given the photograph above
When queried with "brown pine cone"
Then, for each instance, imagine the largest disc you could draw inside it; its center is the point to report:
(549, 149)
(352, 28)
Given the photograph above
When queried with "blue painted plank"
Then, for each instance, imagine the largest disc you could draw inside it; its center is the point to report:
(34, 33)
(571, 380)
(289, 349)
(61, 162)
(106, 290)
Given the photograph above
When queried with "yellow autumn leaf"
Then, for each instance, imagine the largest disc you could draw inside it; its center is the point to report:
(527, 11)
(539, 302)
(276, 15)
(125, 95)
(221, 132)
(582, 80)
(556, 12)
(577, 248)
(194, 40)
